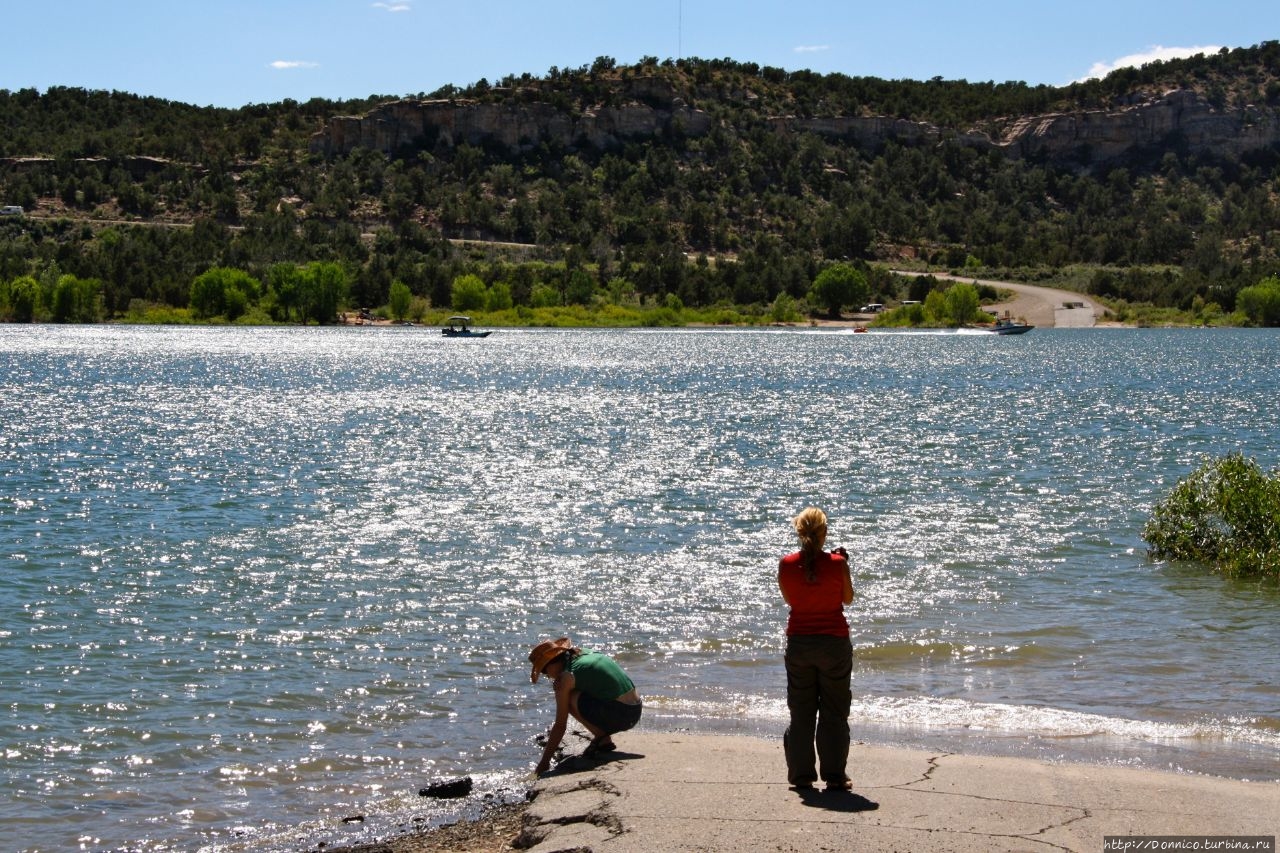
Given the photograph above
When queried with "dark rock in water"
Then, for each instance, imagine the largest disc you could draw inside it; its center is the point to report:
(358, 818)
(448, 789)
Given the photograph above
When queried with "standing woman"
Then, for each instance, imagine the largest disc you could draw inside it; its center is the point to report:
(817, 586)
(592, 688)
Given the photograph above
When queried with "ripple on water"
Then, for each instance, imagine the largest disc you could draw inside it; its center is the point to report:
(255, 576)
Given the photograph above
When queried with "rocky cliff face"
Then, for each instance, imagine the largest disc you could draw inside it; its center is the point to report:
(1181, 117)
(1095, 137)
(1086, 138)
(513, 126)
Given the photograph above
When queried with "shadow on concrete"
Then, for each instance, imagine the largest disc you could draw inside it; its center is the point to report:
(837, 801)
(582, 763)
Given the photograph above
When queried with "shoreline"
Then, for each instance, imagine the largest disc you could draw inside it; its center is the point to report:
(496, 829)
(678, 790)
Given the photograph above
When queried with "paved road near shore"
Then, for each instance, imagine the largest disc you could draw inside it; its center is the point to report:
(1044, 307)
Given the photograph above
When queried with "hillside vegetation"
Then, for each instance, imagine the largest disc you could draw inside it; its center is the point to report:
(133, 200)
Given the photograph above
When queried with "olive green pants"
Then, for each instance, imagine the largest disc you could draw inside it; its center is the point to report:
(818, 696)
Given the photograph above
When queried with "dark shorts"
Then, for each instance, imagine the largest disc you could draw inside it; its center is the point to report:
(608, 714)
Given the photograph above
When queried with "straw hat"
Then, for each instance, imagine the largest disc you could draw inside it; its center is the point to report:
(545, 652)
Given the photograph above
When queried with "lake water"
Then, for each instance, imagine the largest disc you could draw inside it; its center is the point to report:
(259, 578)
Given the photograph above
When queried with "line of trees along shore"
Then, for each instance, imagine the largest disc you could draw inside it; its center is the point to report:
(743, 217)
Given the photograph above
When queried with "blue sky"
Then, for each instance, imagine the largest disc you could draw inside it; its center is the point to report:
(234, 52)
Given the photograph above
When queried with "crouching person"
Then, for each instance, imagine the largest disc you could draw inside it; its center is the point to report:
(590, 686)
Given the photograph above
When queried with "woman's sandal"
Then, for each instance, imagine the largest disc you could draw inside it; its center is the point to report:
(599, 745)
(846, 785)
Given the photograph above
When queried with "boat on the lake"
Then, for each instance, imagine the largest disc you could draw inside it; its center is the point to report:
(1006, 325)
(460, 327)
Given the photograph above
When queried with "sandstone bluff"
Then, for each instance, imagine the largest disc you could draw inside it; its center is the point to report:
(1180, 119)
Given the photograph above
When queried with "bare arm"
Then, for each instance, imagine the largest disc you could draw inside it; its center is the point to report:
(564, 687)
(781, 588)
(847, 594)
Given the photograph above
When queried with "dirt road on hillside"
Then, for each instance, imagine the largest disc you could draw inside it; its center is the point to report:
(1045, 307)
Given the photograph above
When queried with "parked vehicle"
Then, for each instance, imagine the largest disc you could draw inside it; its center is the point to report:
(11, 210)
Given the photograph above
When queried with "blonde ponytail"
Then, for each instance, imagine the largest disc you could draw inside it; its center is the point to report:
(811, 528)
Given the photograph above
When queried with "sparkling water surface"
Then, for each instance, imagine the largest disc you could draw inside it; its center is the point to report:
(259, 579)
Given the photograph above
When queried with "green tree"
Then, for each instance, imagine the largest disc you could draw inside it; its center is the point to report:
(544, 296)
(839, 285)
(76, 300)
(468, 293)
(324, 287)
(935, 308)
(24, 297)
(224, 291)
(237, 302)
(783, 309)
(619, 290)
(580, 288)
(498, 297)
(962, 303)
(1261, 302)
(418, 309)
(399, 298)
(208, 295)
(284, 281)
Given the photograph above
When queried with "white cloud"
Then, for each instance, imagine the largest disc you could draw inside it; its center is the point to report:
(286, 64)
(393, 7)
(1137, 60)
(812, 48)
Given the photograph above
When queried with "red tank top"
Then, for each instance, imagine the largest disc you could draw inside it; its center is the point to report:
(817, 607)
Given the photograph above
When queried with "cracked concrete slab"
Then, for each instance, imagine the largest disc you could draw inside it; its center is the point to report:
(571, 816)
(568, 808)
(676, 791)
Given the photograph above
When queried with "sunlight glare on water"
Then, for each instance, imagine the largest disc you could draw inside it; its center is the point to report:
(260, 577)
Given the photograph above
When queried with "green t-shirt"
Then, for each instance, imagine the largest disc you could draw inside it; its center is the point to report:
(597, 675)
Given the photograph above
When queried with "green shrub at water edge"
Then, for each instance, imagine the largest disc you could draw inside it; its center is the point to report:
(1225, 514)
(146, 313)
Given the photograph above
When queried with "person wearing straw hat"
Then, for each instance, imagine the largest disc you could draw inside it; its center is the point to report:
(819, 658)
(590, 686)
